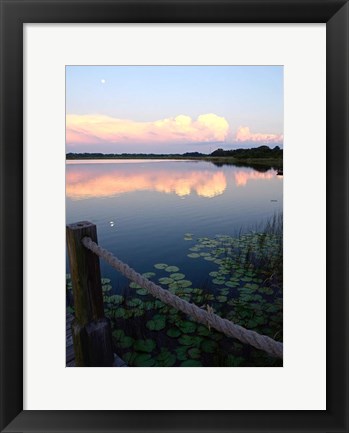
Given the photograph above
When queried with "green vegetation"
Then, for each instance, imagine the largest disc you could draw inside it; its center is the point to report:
(244, 284)
(259, 156)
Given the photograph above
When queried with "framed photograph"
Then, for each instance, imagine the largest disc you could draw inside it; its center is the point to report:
(174, 194)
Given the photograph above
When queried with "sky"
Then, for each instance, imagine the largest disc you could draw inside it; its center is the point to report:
(172, 109)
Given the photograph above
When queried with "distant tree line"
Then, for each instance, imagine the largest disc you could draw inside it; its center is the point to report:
(261, 152)
(256, 152)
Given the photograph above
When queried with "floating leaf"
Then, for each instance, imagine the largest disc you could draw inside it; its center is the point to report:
(181, 352)
(218, 281)
(145, 345)
(173, 332)
(193, 255)
(106, 288)
(182, 284)
(157, 323)
(144, 360)
(187, 327)
(171, 269)
(120, 313)
(135, 286)
(165, 358)
(126, 342)
(165, 280)
(203, 331)
(149, 275)
(103, 280)
(188, 340)
(221, 298)
(177, 276)
(160, 266)
(142, 292)
(134, 302)
(194, 353)
(231, 284)
(116, 299)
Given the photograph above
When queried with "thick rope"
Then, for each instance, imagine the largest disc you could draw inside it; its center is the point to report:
(206, 317)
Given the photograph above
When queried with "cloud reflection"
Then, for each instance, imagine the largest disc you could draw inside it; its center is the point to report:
(242, 177)
(84, 183)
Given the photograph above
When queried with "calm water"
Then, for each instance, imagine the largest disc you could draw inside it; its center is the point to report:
(143, 208)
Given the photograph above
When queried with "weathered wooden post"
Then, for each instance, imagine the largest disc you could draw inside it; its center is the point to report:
(91, 329)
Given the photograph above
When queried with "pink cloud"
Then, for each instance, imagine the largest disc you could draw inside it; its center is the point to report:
(88, 129)
(245, 135)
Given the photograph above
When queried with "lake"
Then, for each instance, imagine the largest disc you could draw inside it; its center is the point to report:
(154, 212)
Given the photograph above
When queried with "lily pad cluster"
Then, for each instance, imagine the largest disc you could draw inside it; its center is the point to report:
(242, 284)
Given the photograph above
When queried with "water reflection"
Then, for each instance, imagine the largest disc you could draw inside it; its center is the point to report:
(108, 181)
(241, 177)
(84, 181)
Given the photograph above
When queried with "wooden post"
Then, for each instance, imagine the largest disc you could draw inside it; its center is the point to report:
(91, 330)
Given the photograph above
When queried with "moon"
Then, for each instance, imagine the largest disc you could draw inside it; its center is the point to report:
(103, 81)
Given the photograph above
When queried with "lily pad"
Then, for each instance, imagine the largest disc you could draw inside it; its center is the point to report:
(149, 275)
(182, 284)
(145, 345)
(174, 332)
(165, 358)
(177, 276)
(144, 360)
(160, 266)
(187, 327)
(120, 312)
(181, 352)
(194, 353)
(106, 288)
(103, 280)
(116, 299)
(157, 323)
(188, 340)
(165, 280)
(203, 331)
(231, 284)
(218, 281)
(142, 292)
(126, 342)
(193, 255)
(134, 302)
(171, 269)
(135, 286)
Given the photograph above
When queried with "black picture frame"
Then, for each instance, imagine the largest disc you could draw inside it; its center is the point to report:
(14, 13)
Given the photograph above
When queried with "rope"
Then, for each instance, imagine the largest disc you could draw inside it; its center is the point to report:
(200, 315)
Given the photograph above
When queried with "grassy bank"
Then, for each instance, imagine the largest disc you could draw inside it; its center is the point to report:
(249, 162)
(265, 162)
